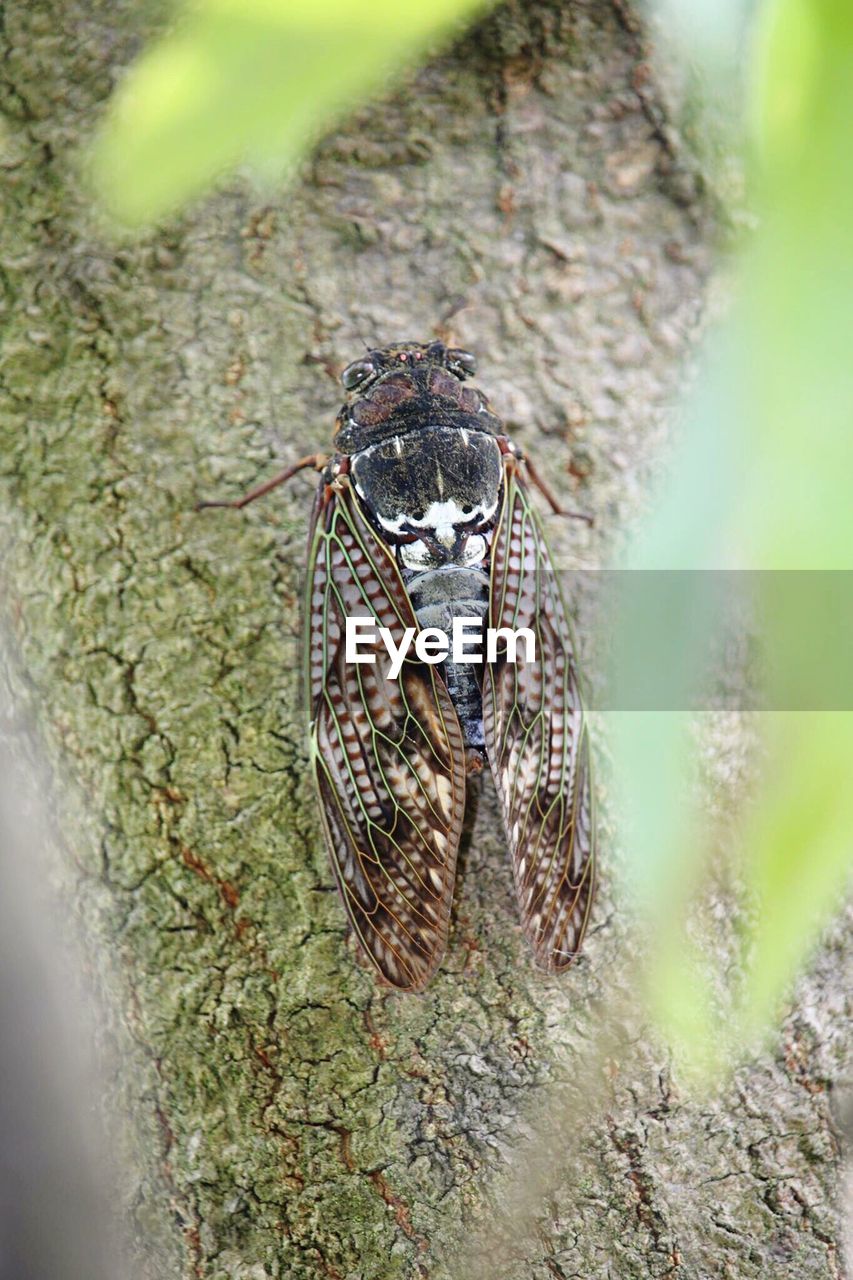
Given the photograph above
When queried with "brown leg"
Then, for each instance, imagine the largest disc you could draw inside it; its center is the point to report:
(550, 499)
(315, 460)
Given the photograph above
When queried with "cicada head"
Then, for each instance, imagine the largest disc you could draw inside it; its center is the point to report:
(361, 374)
(390, 389)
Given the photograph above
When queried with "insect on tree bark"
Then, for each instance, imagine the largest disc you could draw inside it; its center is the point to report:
(423, 519)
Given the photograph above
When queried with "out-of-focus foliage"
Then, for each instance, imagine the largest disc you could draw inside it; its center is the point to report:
(249, 81)
(762, 480)
(57, 1218)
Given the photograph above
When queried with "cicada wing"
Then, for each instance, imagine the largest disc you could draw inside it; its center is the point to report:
(536, 737)
(388, 755)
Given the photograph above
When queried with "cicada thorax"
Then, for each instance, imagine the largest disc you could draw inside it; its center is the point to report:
(426, 466)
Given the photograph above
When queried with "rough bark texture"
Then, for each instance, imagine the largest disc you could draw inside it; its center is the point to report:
(291, 1120)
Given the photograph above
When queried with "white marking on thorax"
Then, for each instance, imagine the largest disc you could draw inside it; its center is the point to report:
(441, 517)
(417, 555)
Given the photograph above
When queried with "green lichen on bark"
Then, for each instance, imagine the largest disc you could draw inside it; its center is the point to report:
(291, 1119)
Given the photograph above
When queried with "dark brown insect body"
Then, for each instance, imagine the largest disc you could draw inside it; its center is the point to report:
(423, 517)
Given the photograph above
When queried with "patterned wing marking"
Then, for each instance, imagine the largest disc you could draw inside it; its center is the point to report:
(388, 755)
(537, 740)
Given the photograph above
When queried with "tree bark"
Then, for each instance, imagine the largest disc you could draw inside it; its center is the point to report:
(529, 194)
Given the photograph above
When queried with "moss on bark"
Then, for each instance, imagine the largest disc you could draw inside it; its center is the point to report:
(526, 193)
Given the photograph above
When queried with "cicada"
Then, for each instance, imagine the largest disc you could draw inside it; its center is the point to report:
(423, 516)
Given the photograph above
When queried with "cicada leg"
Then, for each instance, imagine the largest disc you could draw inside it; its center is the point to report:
(316, 460)
(506, 446)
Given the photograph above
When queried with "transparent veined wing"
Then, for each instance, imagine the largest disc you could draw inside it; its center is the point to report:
(536, 736)
(388, 755)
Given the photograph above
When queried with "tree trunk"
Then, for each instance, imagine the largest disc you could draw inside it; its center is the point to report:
(528, 194)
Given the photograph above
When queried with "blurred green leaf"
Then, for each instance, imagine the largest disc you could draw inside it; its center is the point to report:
(762, 480)
(799, 842)
(249, 81)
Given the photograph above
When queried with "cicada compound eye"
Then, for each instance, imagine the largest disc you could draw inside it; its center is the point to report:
(356, 373)
(462, 363)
